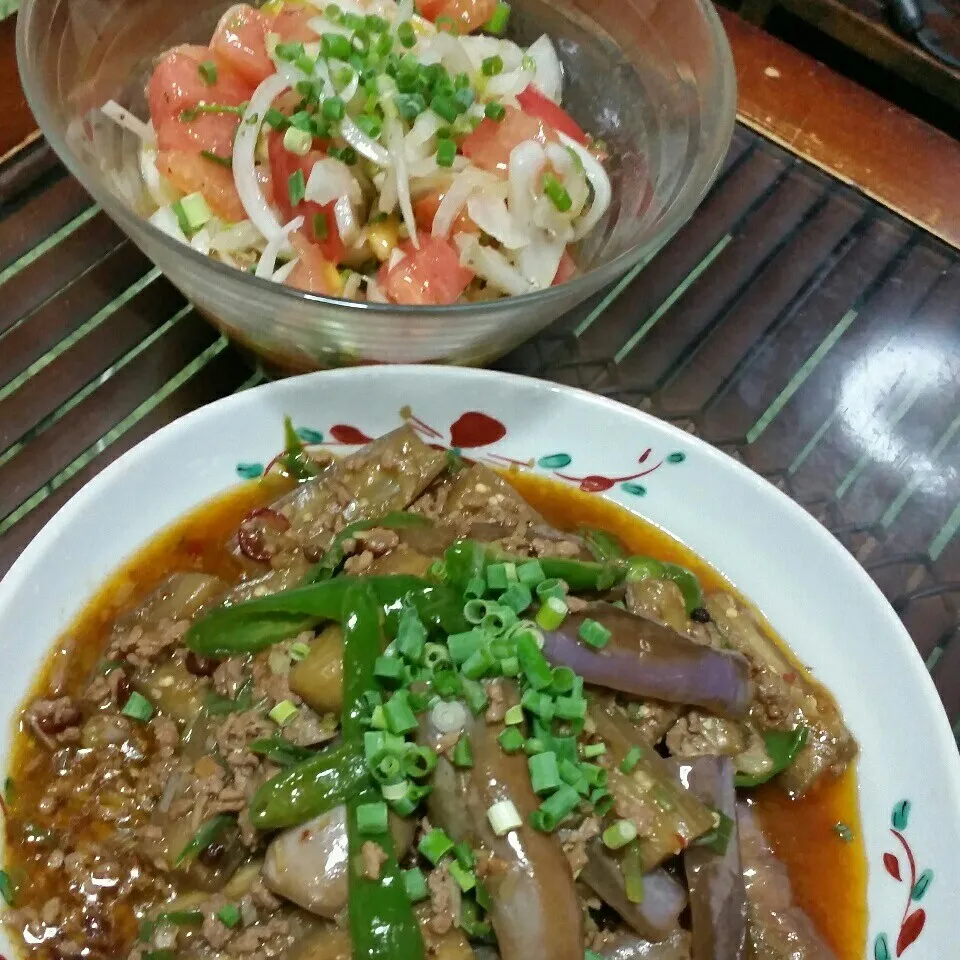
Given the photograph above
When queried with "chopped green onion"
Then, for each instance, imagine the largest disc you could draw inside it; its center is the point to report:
(283, 712)
(491, 66)
(501, 575)
(557, 806)
(229, 915)
(602, 801)
(517, 597)
(498, 22)
(633, 873)
(570, 708)
(843, 831)
(570, 772)
(446, 153)
(435, 845)
(466, 878)
(495, 111)
(718, 838)
(7, 889)
(551, 587)
(372, 818)
(446, 107)
(475, 610)
(563, 680)
(552, 613)
(463, 753)
(405, 34)
(400, 718)
(192, 212)
(411, 637)
(534, 745)
(205, 835)
(410, 105)
(389, 671)
(510, 666)
(289, 51)
(510, 740)
(299, 651)
(434, 654)
(477, 698)
(498, 621)
(333, 108)
(544, 774)
(463, 645)
(476, 586)
(532, 662)
(375, 24)
(297, 141)
(305, 62)
(208, 71)
(514, 715)
(631, 759)
(138, 707)
(594, 633)
(296, 187)
(370, 125)
(321, 230)
(446, 684)
(419, 761)
(592, 750)
(619, 834)
(478, 665)
(504, 817)
(334, 46)
(415, 884)
(531, 572)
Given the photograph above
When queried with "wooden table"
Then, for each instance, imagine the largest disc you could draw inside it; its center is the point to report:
(805, 321)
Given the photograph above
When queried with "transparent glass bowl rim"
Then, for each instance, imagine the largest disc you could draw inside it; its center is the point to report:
(615, 268)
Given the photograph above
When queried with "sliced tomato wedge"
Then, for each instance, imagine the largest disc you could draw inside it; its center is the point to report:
(240, 42)
(566, 270)
(467, 15)
(292, 24)
(189, 172)
(489, 146)
(430, 276)
(313, 271)
(535, 104)
(177, 85)
(283, 164)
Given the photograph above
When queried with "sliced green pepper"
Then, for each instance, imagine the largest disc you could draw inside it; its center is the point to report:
(280, 750)
(209, 831)
(256, 624)
(649, 568)
(604, 546)
(783, 747)
(329, 563)
(309, 788)
(295, 461)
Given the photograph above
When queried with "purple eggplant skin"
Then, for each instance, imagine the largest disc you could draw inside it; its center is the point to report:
(655, 916)
(777, 927)
(648, 659)
(534, 909)
(718, 896)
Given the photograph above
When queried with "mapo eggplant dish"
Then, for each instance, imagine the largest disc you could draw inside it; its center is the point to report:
(399, 705)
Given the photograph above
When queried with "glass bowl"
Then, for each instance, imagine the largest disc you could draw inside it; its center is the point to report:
(653, 78)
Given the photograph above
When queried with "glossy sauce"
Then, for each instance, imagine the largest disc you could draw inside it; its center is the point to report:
(829, 875)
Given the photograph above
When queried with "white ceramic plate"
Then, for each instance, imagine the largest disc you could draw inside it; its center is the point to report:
(812, 591)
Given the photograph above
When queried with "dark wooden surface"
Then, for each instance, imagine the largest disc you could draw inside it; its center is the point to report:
(796, 323)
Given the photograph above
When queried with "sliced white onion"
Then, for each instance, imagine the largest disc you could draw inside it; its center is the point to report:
(268, 259)
(480, 47)
(330, 180)
(122, 116)
(492, 266)
(350, 90)
(549, 74)
(559, 226)
(364, 145)
(509, 84)
(538, 261)
(386, 184)
(347, 225)
(394, 132)
(166, 220)
(244, 148)
(446, 49)
(418, 143)
(490, 214)
(351, 286)
(161, 192)
(397, 256)
(239, 236)
(429, 168)
(281, 274)
(602, 191)
(200, 241)
(454, 200)
(374, 292)
(527, 161)
(403, 14)
(285, 68)
(321, 25)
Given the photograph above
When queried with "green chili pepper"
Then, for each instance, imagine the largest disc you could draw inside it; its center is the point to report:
(649, 568)
(604, 546)
(329, 563)
(382, 921)
(309, 788)
(717, 839)
(783, 747)
(295, 460)
(210, 831)
(467, 559)
(363, 642)
(256, 624)
(280, 750)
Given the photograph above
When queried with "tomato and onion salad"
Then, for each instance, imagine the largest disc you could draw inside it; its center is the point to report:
(372, 150)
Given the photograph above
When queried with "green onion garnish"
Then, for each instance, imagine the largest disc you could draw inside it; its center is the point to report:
(289, 51)
(544, 774)
(296, 187)
(275, 119)
(435, 845)
(297, 141)
(557, 806)
(552, 613)
(510, 740)
(406, 35)
(216, 158)
(372, 818)
(138, 707)
(446, 107)
(462, 753)
(504, 817)
(498, 22)
(208, 71)
(619, 834)
(415, 883)
(446, 153)
(283, 712)
(229, 915)
(557, 193)
(333, 108)
(631, 759)
(491, 66)
(399, 717)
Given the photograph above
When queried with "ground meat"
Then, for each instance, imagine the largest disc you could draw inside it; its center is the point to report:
(373, 857)
(378, 541)
(433, 503)
(308, 729)
(144, 644)
(112, 688)
(54, 721)
(497, 709)
(444, 900)
(652, 718)
(216, 933)
(574, 843)
(542, 547)
(359, 563)
(575, 604)
(698, 734)
(166, 735)
(229, 677)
